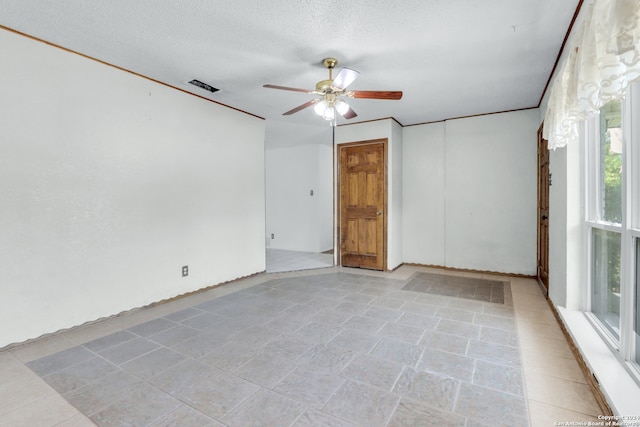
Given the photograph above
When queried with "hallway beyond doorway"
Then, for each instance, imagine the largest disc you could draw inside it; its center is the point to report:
(280, 260)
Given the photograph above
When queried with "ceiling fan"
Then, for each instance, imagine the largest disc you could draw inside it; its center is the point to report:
(332, 91)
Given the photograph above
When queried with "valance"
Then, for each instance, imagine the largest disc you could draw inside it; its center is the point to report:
(604, 58)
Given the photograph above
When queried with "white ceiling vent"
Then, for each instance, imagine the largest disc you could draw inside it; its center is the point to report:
(204, 86)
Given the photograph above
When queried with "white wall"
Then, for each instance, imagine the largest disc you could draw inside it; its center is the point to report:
(395, 207)
(325, 224)
(109, 184)
(390, 130)
(566, 207)
(566, 219)
(298, 160)
(363, 131)
(424, 194)
(470, 193)
(558, 226)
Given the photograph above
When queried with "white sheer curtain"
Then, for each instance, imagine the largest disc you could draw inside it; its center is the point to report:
(604, 58)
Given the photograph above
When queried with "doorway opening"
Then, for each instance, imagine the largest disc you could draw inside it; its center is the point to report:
(298, 196)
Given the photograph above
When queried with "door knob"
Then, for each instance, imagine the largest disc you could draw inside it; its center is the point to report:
(379, 213)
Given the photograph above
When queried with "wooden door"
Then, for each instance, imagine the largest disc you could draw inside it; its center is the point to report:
(362, 205)
(543, 211)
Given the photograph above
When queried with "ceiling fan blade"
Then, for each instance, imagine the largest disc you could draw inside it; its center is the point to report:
(294, 89)
(350, 114)
(301, 107)
(345, 77)
(377, 94)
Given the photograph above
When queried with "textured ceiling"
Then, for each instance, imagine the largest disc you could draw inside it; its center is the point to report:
(451, 58)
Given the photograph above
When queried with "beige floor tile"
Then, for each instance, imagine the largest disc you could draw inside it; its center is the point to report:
(131, 319)
(19, 384)
(9, 366)
(471, 274)
(535, 344)
(549, 364)
(17, 392)
(76, 421)
(41, 348)
(546, 415)
(161, 309)
(522, 285)
(530, 290)
(570, 395)
(185, 302)
(91, 332)
(529, 304)
(490, 276)
(528, 328)
(525, 299)
(47, 411)
(538, 312)
(541, 315)
(226, 289)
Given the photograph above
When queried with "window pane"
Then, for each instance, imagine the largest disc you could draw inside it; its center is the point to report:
(611, 162)
(605, 293)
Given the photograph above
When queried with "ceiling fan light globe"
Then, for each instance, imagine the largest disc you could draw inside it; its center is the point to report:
(320, 108)
(342, 107)
(329, 114)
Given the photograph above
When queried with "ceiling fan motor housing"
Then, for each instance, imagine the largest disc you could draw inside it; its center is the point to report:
(324, 86)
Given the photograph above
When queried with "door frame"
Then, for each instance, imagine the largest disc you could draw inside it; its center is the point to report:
(542, 281)
(338, 196)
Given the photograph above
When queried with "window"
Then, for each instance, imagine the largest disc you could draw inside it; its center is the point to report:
(610, 167)
(605, 279)
(606, 218)
(636, 329)
(612, 221)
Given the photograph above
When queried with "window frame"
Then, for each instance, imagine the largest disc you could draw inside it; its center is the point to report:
(626, 346)
(632, 210)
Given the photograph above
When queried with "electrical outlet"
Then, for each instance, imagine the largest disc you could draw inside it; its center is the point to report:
(185, 270)
(273, 236)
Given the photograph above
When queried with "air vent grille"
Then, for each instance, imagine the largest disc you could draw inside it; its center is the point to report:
(204, 86)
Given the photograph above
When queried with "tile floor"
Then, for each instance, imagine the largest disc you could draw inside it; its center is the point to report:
(323, 347)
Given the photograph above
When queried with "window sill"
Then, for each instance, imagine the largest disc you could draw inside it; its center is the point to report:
(616, 383)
